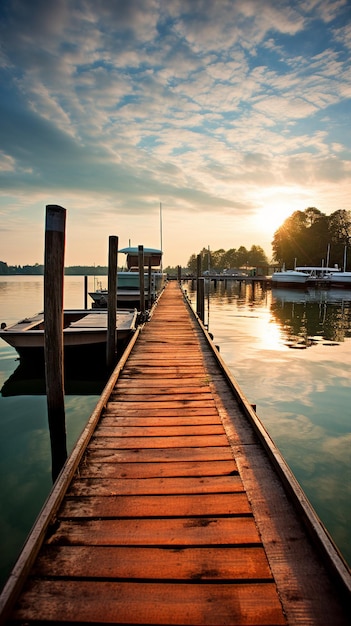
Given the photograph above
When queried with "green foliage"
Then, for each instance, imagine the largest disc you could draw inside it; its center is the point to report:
(305, 237)
(221, 259)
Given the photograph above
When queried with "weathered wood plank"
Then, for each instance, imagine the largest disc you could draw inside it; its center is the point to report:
(169, 422)
(186, 531)
(93, 469)
(205, 398)
(151, 603)
(162, 455)
(175, 563)
(160, 411)
(172, 404)
(156, 506)
(132, 389)
(157, 431)
(101, 486)
(186, 441)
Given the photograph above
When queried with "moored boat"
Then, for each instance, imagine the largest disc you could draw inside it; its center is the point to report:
(83, 329)
(340, 279)
(290, 278)
(128, 280)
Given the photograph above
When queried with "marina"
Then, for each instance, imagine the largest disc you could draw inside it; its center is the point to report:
(184, 424)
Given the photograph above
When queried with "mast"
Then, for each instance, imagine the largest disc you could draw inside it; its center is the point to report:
(161, 236)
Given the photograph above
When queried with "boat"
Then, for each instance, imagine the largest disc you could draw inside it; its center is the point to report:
(340, 279)
(311, 276)
(128, 280)
(290, 278)
(83, 329)
(326, 276)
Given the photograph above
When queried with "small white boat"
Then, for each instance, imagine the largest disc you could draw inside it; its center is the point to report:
(290, 278)
(327, 276)
(128, 289)
(83, 329)
(340, 279)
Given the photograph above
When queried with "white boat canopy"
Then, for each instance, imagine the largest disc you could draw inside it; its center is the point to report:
(152, 256)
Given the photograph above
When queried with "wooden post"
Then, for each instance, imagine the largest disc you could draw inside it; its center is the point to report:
(150, 294)
(200, 301)
(112, 302)
(141, 278)
(53, 332)
(198, 295)
(85, 292)
(179, 273)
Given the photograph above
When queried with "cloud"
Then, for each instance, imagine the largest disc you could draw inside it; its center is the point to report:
(134, 102)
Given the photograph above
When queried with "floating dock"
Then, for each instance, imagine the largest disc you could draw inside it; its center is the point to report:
(175, 507)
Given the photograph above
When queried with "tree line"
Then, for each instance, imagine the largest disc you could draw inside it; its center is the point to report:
(219, 260)
(38, 270)
(306, 237)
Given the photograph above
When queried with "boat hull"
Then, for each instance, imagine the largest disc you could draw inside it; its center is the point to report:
(128, 290)
(290, 278)
(83, 331)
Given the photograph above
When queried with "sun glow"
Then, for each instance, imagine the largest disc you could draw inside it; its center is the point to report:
(275, 205)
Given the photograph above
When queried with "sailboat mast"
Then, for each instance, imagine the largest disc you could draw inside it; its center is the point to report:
(161, 235)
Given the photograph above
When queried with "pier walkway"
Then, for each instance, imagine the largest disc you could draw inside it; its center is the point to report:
(169, 511)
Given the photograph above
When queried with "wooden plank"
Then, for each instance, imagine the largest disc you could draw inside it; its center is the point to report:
(92, 469)
(176, 563)
(101, 486)
(169, 422)
(159, 411)
(154, 388)
(156, 506)
(172, 404)
(152, 455)
(150, 603)
(112, 430)
(186, 441)
(154, 396)
(176, 532)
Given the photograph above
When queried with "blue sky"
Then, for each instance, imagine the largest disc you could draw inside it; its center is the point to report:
(231, 113)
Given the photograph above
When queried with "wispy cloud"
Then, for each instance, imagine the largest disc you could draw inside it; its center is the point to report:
(212, 108)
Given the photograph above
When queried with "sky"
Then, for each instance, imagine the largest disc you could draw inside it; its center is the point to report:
(181, 123)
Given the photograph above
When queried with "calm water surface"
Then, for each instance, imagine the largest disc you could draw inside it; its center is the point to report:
(25, 457)
(289, 351)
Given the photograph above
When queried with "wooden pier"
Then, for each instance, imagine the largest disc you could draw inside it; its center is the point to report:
(172, 508)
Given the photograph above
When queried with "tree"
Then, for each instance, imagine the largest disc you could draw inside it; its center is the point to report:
(340, 234)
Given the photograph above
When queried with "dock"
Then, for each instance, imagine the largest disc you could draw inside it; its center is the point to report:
(175, 506)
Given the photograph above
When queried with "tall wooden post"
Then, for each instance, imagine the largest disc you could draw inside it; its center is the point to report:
(198, 287)
(200, 301)
(179, 273)
(150, 293)
(53, 332)
(112, 302)
(141, 278)
(85, 292)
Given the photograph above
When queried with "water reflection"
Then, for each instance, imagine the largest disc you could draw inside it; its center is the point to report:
(303, 317)
(308, 317)
(29, 380)
(302, 395)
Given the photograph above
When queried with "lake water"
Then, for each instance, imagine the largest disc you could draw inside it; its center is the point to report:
(289, 351)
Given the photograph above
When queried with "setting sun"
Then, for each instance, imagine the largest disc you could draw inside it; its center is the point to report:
(275, 206)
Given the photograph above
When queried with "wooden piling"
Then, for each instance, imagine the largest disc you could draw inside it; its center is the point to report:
(141, 278)
(112, 302)
(200, 299)
(85, 292)
(53, 333)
